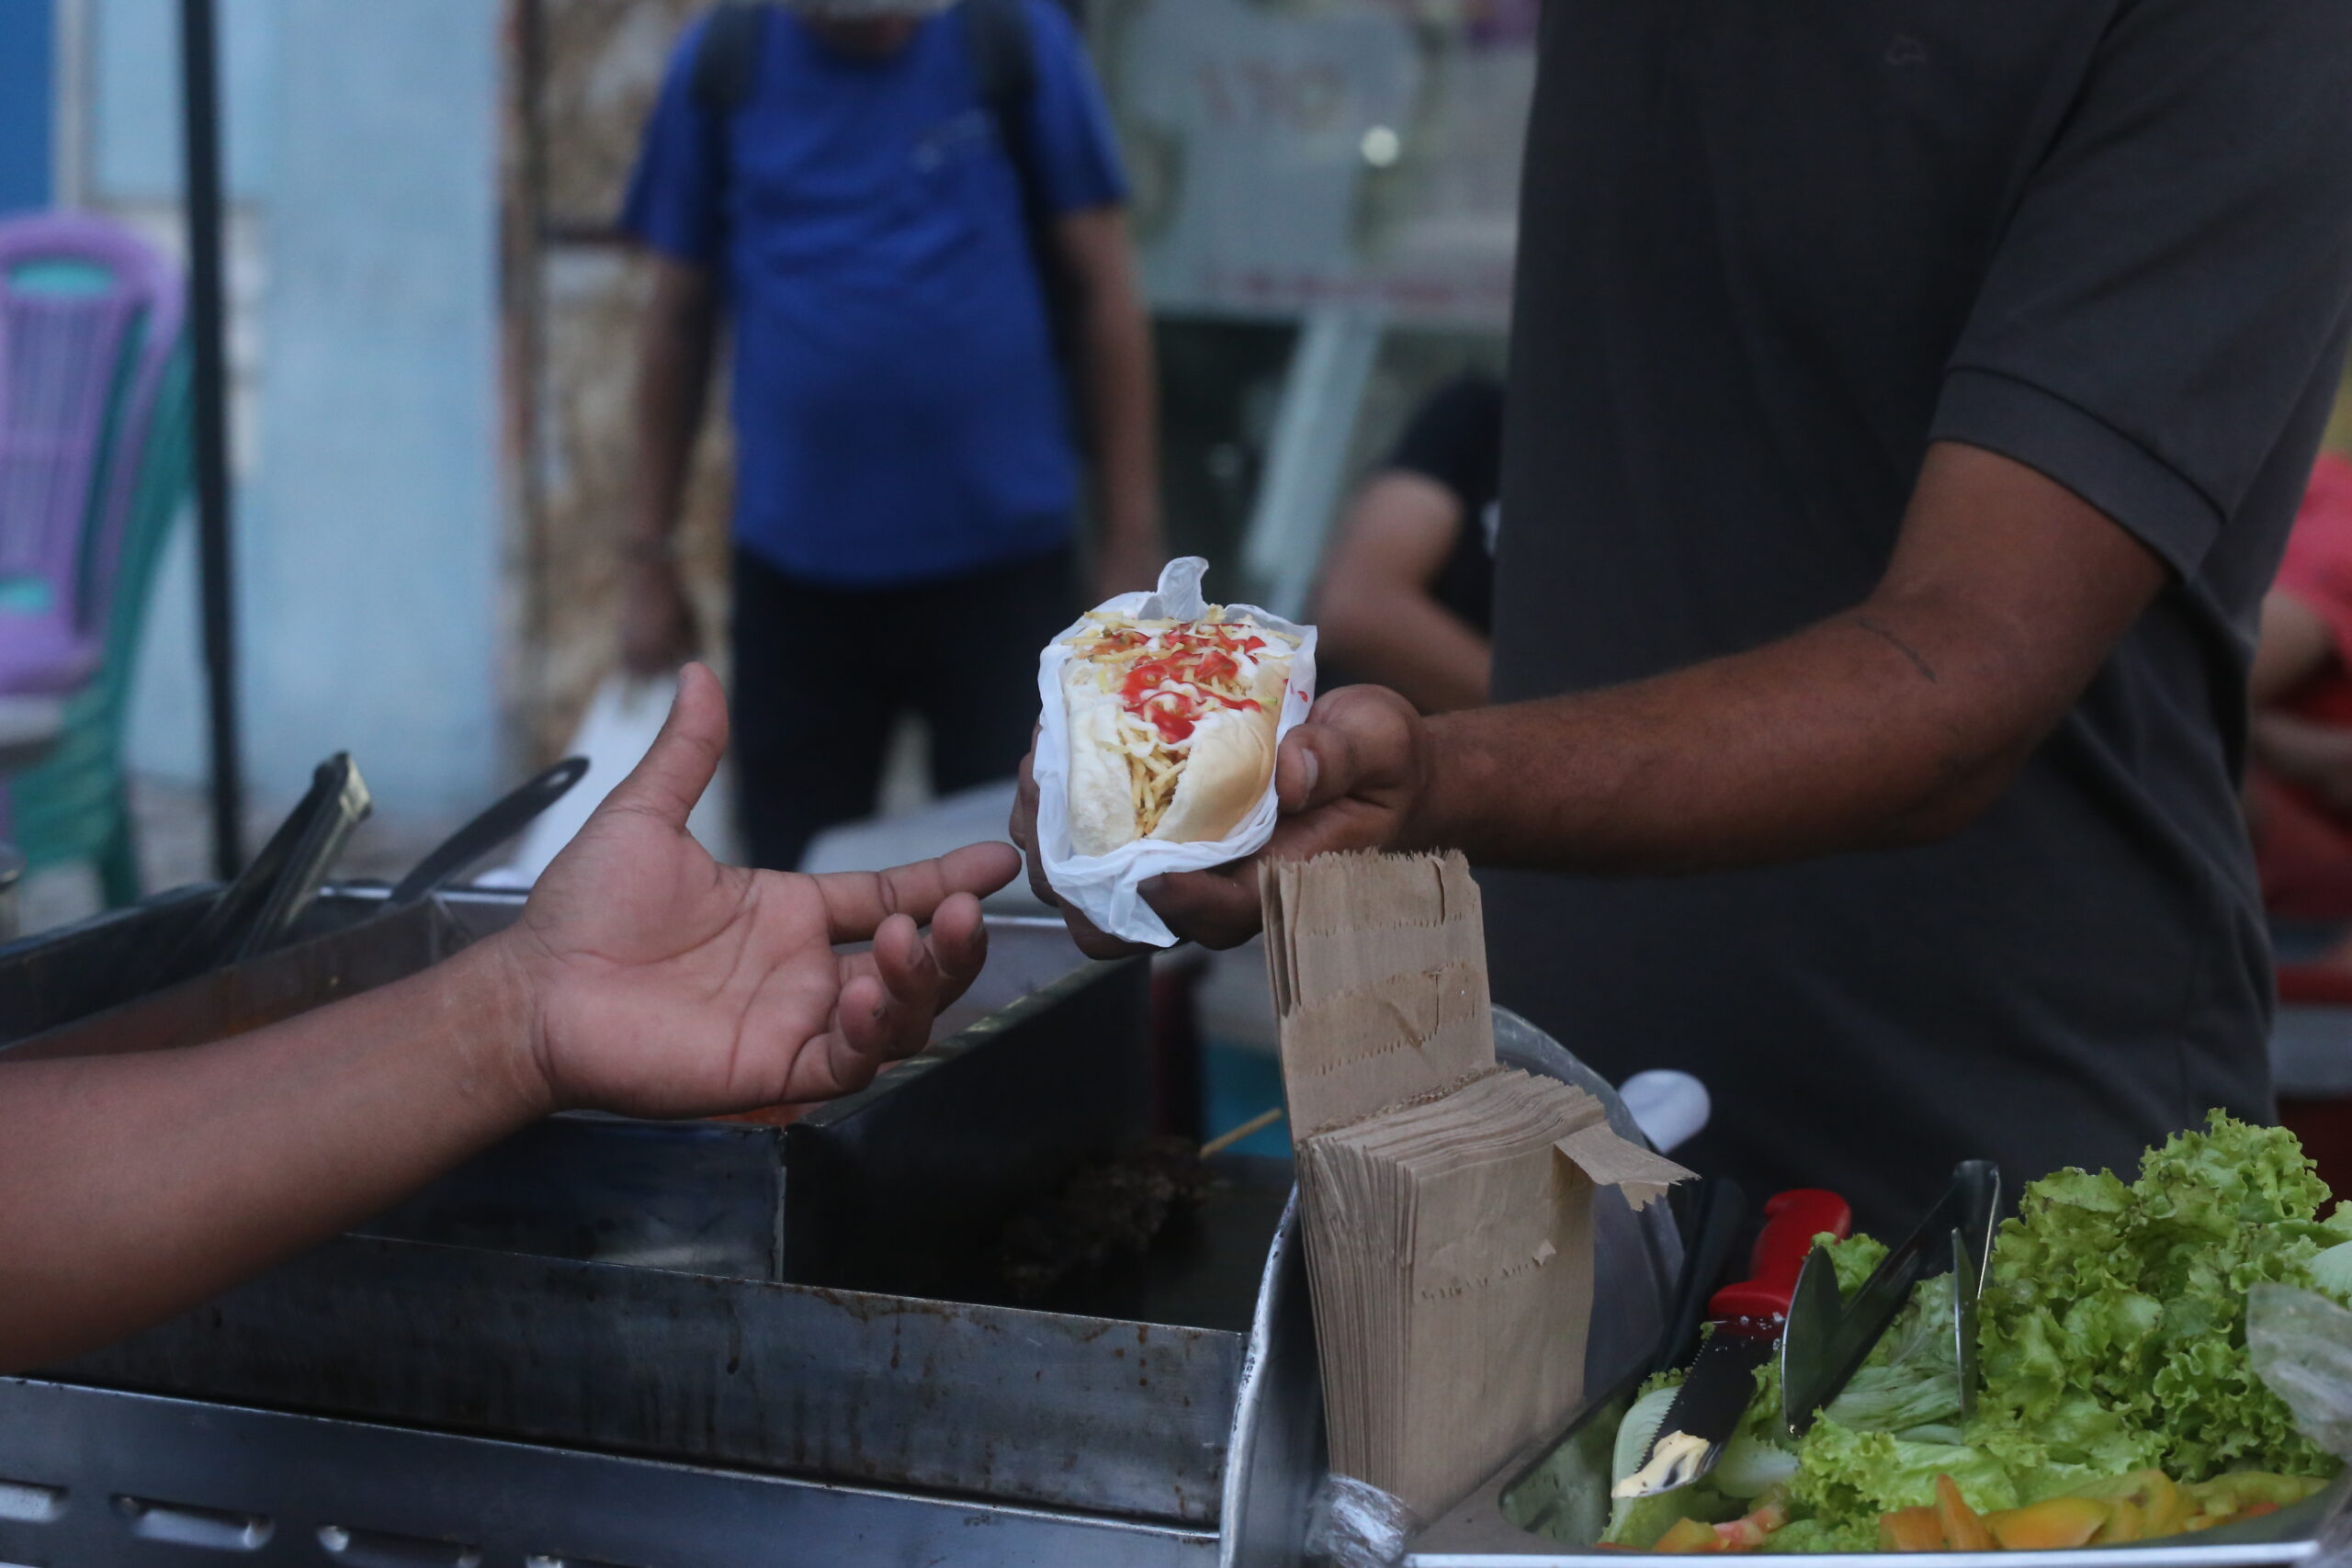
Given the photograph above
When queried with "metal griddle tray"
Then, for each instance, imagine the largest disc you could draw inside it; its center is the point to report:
(1547, 1507)
(92, 1475)
(782, 1299)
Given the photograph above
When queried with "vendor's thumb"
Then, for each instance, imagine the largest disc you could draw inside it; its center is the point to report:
(680, 764)
(1358, 739)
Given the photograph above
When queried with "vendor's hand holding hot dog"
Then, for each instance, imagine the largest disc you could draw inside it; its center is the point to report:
(1896, 722)
(1348, 779)
(643, 978)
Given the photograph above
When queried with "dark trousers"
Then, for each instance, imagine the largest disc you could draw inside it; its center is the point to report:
(821, 675)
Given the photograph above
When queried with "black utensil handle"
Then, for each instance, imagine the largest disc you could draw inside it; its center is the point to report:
(1716, 1220)
(498, 822)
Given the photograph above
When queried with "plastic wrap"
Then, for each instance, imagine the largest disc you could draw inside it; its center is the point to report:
(1106, 888)
(1355, 1524)
(2300, 1344)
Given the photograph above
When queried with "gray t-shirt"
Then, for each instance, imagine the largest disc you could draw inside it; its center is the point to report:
(1770, 252)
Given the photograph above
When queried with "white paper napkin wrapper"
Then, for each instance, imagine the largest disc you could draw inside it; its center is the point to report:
(1104, 889)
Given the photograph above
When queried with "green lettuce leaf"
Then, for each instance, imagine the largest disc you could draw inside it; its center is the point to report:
(2112, 1338)
(1855, 1259)
(1845, 1474)
(2113, 1324)
(1912, 1379)
(1825, 1535)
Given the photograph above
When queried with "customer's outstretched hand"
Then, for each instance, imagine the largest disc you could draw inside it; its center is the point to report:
(659, 983)
(642, 977)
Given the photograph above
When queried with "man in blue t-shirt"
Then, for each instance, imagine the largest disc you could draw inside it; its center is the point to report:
(907, 472)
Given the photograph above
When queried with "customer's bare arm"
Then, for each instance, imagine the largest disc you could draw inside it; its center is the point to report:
(2296, 647)
(2293, 646)
(1895, 723)
(1375, 615)
(1119, 397)
(642, 979)
(677, 340)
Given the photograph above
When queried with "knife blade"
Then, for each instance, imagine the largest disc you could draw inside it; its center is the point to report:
(1718, 1219)
(1746, 1321)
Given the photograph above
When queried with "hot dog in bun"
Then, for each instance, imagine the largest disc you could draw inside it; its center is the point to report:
(1171, 726)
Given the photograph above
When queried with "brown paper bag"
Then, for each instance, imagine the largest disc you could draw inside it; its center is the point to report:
(1447, 1202)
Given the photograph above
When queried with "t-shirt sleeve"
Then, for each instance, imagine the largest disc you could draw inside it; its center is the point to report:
(1455, 438)
(2175, 265)
(1070, 125)
(675, 203)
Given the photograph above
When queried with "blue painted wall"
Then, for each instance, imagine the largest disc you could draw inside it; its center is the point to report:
(134, 77)
(376, 546)
(360, 140)
(28, 48)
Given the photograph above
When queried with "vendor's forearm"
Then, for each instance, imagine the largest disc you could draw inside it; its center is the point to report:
(1836, 740)
(135, 1186)
(1895, 724)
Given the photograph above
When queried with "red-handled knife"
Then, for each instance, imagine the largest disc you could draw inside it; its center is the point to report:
(1746, 1321)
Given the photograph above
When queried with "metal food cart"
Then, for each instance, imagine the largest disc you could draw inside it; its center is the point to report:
(631, 1342)
(610, 1342)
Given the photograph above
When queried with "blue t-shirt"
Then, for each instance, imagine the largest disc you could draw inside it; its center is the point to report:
(898, 415)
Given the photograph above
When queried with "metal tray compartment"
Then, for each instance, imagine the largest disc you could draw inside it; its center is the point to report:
(90, 1475)
(92, 1478)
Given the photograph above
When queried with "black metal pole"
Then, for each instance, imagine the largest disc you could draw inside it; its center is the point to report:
(200, 123)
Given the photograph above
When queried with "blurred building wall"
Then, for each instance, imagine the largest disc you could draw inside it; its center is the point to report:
(362, 140)
(583, 77)
(27, 41)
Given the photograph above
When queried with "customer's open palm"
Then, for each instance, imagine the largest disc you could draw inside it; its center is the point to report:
(664, 984)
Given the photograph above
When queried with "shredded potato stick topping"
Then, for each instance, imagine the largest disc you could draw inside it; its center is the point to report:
(1170, 675)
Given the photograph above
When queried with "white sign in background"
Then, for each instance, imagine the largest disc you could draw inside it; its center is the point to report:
(1290, 155)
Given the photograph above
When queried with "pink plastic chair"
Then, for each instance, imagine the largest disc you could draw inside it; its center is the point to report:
(89, 315)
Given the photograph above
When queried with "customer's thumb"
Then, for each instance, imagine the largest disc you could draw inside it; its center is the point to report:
(679, 765)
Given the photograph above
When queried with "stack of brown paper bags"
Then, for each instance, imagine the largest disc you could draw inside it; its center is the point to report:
(1447, 1201)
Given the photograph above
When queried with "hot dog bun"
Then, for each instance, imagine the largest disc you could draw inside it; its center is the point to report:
(1102, 802)
(1172, 727)
(1233, 757)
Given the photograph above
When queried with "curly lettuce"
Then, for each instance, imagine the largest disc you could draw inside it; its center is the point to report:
(2111, 1338)
(2113, 1324)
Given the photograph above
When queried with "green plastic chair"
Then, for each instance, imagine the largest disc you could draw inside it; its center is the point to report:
(74, 806)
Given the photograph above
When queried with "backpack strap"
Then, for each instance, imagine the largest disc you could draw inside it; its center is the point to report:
(728, 59)
(727, 64)
(1004, 63)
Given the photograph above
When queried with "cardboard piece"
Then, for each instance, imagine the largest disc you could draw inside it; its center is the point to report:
(1447, 1201)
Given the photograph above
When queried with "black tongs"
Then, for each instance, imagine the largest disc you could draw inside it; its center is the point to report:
(1827, 1339)
(254, 912)
(495, 824)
